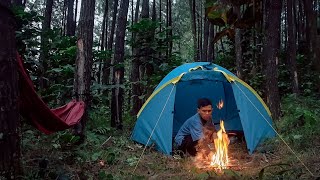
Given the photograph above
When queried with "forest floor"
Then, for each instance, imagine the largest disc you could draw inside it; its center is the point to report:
(116, 156)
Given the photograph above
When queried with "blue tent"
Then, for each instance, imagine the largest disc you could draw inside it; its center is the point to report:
(175, 100)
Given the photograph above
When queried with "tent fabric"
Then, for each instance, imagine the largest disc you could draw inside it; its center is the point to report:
(162, 115)
(42, 117)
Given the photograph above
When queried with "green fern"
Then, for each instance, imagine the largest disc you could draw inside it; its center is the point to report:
(102, 130)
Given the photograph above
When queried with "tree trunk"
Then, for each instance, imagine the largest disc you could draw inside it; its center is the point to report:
(194, 29)
(211, 45)
(145, 9)
(238, 47)
(106, 71)
(160, 17)
(136, 13)
(199, 19)
(170, 43)
(10, 152)
(84, 60)
(118, 76)
(64, 18)
(205, 40)
(313, 39)
(103, 39)
(270, 54)
(135, 78)
(292, 48)
(44, 42)
(71, 29)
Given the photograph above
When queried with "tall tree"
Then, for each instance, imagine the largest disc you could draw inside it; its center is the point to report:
(44, 41)
(192, 5)
(84, 59)
(135, 75)
(106, 72)
(139, 64)
(71, 29)
(210, 55)
(205, 39)
(238, 47)
(270, 54)
(118, 75)
(10, 166)
(312, 38)
(104, 29)
(169, 25)
(292, 48)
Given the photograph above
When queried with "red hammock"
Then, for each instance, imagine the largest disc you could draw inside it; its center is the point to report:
(42, 117)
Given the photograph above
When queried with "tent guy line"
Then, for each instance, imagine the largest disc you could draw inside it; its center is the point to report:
(276, 131)
(145, 147)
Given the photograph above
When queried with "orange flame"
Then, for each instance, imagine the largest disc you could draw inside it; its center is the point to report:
(220, 158)
(220, 104)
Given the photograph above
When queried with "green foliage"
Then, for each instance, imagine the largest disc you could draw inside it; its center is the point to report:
(226, 57)
(151, 46)
(301, 121)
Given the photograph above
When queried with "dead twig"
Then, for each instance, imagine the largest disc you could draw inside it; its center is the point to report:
(105, 141)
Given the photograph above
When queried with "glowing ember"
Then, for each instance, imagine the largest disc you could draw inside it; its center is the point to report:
(221, 142)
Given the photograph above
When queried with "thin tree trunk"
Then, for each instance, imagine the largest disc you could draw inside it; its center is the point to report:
(200, 32)
(135, 75)
(118, 77)
(270, 54)
(84, 60)
(313, 39)
(284, 27)
(167, 26)
(64, 17)
(44, 42)
(194, 28)
(211, 44)
(136, 13)
(160, 14)
(10, 152)
(238, 47)
(103, 39)
(170, 45)
(107, 72)
(292, 48)
(205, 40)
(71, 29)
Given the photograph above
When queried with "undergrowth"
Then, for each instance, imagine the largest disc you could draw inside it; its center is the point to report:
(299, 128)
(108, 153)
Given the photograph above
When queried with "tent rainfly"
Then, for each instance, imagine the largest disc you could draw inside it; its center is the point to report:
(175, 100)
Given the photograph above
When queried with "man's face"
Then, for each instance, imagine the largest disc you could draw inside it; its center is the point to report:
(205, 112)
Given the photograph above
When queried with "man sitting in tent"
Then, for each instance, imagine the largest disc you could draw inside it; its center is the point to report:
(192, 130)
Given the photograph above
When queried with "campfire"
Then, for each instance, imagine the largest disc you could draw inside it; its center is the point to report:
(221, 141)
(213, 147)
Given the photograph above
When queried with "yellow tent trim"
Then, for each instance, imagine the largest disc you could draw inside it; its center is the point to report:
(231, 78)
(195, 68)
(173, 81)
